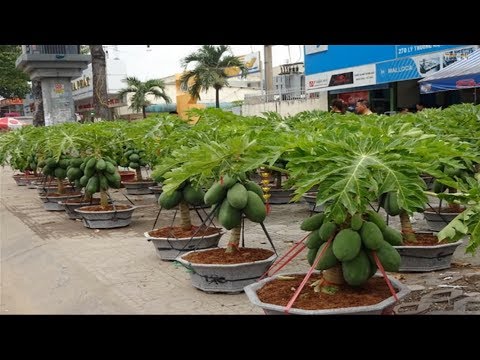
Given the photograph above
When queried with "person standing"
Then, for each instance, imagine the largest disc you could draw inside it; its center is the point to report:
(420, 106)
(363, 107)
(338, 106)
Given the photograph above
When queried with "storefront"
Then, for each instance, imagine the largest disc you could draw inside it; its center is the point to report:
(11, 107)
(386, 75)
(82, 89)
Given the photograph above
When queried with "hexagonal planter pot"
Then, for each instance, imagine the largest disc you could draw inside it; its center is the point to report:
(437, 221)
(426, 258)
(171, 248)
(383, 307)
(138, 187)
(106, 219)
(156, 190)
(280, 196)
(311, 200)
(51, 200)
(228, 278)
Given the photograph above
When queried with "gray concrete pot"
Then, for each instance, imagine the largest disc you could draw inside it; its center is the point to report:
(156, 190)
(386, 306)
(50, 189)
(171, 248)
(311, 200)
(138, 187)
(229, 278)
(280, 196)
(51, 203)
(426, 258)
(70, 207)
(106, 219)
(437, 221)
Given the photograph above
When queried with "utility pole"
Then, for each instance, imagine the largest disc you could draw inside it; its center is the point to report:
(268, 70)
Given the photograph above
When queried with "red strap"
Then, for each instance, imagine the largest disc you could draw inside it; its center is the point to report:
(382, 270)
(301, 242)
(268, 207)
(309, 273)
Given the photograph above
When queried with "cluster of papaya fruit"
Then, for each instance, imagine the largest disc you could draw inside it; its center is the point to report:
(235, 197)
(185, 192)
(57, 169)
(32, 162)
(133, 158)
(352, 246)
(95, 174)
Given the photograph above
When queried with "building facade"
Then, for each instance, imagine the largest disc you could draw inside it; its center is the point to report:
(386, 75)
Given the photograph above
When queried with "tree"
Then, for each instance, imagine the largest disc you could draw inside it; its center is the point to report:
(155, 87)
(38, 114)
(13, 82)
(210, 64)
(99, 71)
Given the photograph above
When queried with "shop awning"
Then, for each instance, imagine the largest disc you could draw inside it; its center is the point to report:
(463, 74)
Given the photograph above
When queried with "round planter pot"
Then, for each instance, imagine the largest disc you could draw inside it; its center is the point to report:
(437, 221)
(171, 248)
(70, 207)
(51, 202)
(138, 187)
(50, 189)
(156, 190)
(426, 258)
(32, 182)
(229, 278)
(280, 196)
(108, 219)
(383, 307)
(311, 199)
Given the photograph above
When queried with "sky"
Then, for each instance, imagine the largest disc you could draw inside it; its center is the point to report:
(159, 61)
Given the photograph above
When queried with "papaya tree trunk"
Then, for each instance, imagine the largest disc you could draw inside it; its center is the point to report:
(234, 241)
(186, 222)
(139, 174)
(103, 198)
(278, 180)
(407, 230)
(60, 186)
(455, 207)
(144, 112)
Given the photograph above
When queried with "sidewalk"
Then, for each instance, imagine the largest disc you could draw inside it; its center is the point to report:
(53, 265)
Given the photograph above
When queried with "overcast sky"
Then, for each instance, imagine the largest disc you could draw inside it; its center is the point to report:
(164, 60)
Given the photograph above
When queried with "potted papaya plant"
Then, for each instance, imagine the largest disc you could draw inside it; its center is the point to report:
(349, 242)
(219, 161)
(100, 173)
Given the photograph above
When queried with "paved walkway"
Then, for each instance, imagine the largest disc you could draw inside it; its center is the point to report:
(53, 265)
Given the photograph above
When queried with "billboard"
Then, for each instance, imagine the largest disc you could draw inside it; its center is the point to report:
(251, 61)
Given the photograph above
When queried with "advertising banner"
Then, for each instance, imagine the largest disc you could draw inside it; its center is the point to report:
(251, 61)
(342, 78)
(419, 66)
(312, 49)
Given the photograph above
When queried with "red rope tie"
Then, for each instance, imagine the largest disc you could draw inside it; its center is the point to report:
(309, 273)
(382, 270)
(268, 207)
(302, 246)
(234, 245)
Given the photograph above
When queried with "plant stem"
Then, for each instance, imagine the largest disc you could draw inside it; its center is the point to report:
(60, 186)
(186, 222)
(103, 198)
(234, 241)
(139, 174)
(407, 230)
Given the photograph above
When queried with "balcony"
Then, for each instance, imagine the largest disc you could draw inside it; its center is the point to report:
(51, 49)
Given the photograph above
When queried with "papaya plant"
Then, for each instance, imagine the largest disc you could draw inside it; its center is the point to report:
(352, 169)
(217, 158)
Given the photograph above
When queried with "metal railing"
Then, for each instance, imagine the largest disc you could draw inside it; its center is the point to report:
(276, 95)
(52, 49)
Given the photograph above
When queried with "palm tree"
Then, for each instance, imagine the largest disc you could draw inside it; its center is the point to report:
(210, 64)
(155, 87)
(99, 71)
